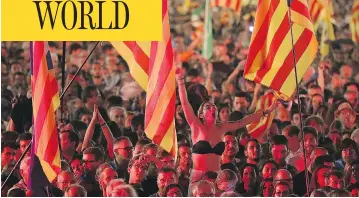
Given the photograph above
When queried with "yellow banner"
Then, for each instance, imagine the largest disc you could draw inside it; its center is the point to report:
(84, 20)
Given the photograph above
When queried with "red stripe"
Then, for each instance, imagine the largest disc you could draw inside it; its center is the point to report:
(52, 146)
(273, 49)
(259, 131)
(164, 8)
(316, 15)
(140, 56)
(355, 9)
(300, 47)
(166, 66)
(238, 5)
(38, 54)
(166, 121)
(300, 8)
(228, 3)
(258, 42)
(216, 3)
(153, 52)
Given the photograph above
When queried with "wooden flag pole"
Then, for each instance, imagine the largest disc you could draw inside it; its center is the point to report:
(299, 102)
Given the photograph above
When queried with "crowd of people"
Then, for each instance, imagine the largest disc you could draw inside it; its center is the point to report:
(105, 150)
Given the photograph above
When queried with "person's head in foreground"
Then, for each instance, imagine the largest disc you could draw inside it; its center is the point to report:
(203, 188)
(75, 190)
(173, 190)
(124, 191)
(282, 189)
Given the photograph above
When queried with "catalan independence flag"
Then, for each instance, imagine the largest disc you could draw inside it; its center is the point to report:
(270, 57)
(258, 129)
(234, 5)
(45, 152)
(152, 65)
(354, 21)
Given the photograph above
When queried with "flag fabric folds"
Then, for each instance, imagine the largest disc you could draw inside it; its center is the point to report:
(45, 153)
(354, 22)
(258, 129)
(207, 51)
(152, 66)
(235, 5)
(270, 57)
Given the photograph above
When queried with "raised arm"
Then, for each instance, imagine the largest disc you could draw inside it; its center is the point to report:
(232, 126)
(90, 130)
(108, 135)
(186, 106)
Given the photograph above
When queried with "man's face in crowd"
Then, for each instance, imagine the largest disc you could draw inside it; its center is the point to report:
(86, 118)
(268, 189)
(310, 143)
(165, 179)
(281, 191)
(15, 68)
(317, 127)
(204, 190)
(317, 100)
(66, 143)
(19, 80)
(111, 64)
(335, 137)
(73, 192)
(336, 82)
(279, 153)
(185, 156)
(64, 180)
(240, 104)
(346, 72)
(249, 176)
(353, 88)
(296, 119)
(347, 117)
(168, 161)
(349, 155)
(351, 97)
(5, 81)
(152, 151)
(23, 145)
(7, 156)
(123, 149)
(106, 176)
(252, 151)
(90, 162)
(231, 146)
(119, 116)
(76, 166)
(334, 182)
(96, 70)
(313, 91)
(138, 171)
(321, 176)
(292, 141)
(269, 170)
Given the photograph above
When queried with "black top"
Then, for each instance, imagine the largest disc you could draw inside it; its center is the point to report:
(203, 147)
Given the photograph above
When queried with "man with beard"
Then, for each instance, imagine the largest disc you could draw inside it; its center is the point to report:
(279, 150)
(166, 176)
(92, 158)
(349, 153)
(184, 166)
(231, 148)
(95, 71)
(241, 102)
(123, 150)
(252, 151)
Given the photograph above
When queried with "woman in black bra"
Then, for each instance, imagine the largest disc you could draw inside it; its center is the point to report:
(206, 134)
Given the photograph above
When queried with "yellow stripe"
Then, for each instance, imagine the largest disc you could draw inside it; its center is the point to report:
(257, 64)
(277, 18)
(161, 51)
(299, 19)
(45, 134)
(135, 69)
(145, 46)
(49, 172)
(39, 87)
(262, 11)
(303, 63)
(167, 141)
(282, 53)
(162, 104)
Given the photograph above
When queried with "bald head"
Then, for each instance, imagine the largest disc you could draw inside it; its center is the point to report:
(65, 179)
(106, 176)
(114, 184)
(283, 175)
(319, 151)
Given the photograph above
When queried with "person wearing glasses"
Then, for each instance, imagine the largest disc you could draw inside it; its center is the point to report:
(283, 175)
(137, 170)
(282, 189)
(123, 150)
(65, 179)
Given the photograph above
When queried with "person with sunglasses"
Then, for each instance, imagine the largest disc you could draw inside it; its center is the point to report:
(123, 150)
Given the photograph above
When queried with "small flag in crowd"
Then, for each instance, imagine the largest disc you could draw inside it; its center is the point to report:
(354, 22)
(327, 33)
(270, 58)
(234, 5)
(258, 129)
(152, 66)
(207, 51)
(45, 153)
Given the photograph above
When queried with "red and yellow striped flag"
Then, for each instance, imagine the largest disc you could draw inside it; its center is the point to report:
(45, 154)
(235, 5)
(258, 129)
(152, 66)
(270, 58)
(315, 9)
(354, 22)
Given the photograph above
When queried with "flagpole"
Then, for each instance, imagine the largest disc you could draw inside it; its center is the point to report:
(297, 87)
(63, 78)
(62, 95)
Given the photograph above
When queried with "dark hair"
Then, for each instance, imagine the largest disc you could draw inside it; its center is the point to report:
(255, 168)
(230, 133)
(252, 140)
(244, 95)
(210, 175)
(9, 136)
(346, 143)
(162, 153)
(314, 118)
(193, 72)
(143, 142)
(121, 138)
(293, 130)
(73, 136)
(263, 163)
(231, 166)
(346, 85)
(279, 139)
(24, 136)
(16, 192)
(74, 47)
(86, 93)
(167, 170)
(114, 101)
(336, 173)
(169, 187)
(96, 151)
(8, 145)
(337, 125)
(235, 116)
(138, 120)
(310, 130)
(314, 86)
(184, 145)
(262, 185)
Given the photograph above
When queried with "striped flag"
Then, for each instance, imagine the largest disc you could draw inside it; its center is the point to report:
(152, 66)
(327, 33)
(318, 9)
(258, 129)
(45, 152)
(207, 51)
(354, 22)
(270, 58)
(235, 5)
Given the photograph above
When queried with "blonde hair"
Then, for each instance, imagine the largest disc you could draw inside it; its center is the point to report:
(131, 192)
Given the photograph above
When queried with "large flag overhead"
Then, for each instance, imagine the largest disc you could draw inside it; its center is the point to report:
(207, 51)
(258, 129)
(354, 22)
(45, 152)
(270, 58)
(152, 66)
